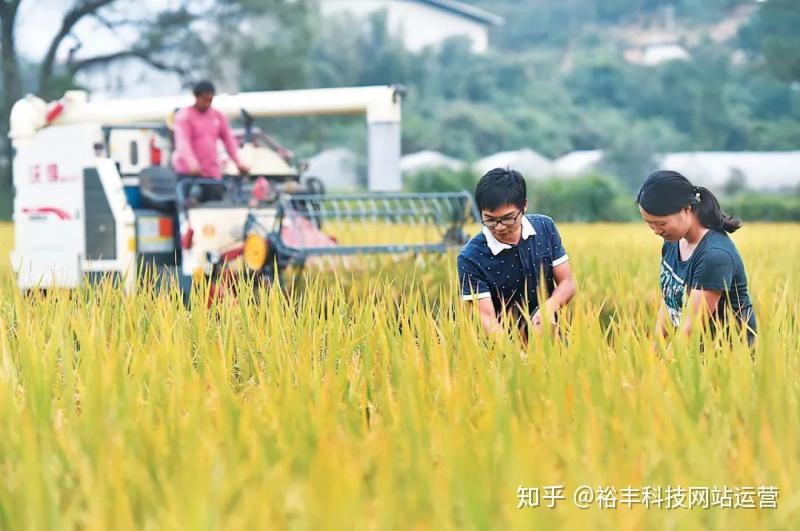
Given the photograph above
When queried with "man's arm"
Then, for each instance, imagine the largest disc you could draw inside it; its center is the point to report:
(183, 142)
(564, 292)
(488, 316)
(475, 289)
(231, 145)
(562, 275)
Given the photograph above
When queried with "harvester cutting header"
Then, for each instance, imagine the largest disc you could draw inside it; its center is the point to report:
(95, 194)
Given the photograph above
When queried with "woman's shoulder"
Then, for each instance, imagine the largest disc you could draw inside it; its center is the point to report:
(668, 248)
(719, 241)
(718, 249)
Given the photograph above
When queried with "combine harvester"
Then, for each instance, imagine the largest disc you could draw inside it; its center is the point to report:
(95, 196)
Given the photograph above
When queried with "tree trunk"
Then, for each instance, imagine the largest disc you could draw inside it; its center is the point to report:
(12, 91)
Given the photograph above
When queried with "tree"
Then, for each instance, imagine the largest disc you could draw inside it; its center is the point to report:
(773, 35)
(157, 40)
(188, 38)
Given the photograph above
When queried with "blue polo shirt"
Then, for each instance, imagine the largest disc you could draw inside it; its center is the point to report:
(510, 274)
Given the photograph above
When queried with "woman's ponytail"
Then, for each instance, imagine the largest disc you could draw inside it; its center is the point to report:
(666, 192)
(710, 213)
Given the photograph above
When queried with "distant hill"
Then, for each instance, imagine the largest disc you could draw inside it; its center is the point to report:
(542, 23)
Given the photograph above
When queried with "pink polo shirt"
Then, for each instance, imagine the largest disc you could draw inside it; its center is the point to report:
(196, 135)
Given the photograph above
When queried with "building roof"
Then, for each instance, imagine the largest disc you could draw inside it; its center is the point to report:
(656, 54)
(762, 170)
(459, 8)
(577, 162)
(531, 164)
(336, 167)
(424, 160)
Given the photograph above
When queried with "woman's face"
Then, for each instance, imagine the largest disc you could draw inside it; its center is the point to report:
(672, 227)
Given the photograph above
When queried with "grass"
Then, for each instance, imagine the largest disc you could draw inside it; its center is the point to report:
(373, 401)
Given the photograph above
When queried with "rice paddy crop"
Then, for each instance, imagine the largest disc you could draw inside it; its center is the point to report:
(372, 400)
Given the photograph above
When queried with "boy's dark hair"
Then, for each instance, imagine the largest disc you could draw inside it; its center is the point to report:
(501, 187)
(203, 87)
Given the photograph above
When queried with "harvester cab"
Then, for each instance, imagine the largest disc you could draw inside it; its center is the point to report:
(262, 154)
(95, 196)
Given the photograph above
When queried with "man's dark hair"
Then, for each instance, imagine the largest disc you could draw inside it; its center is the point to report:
(203, 87)
(501, 187)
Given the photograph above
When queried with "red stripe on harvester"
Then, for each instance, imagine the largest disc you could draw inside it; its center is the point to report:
(164, 227)
(47, 210)
(54, 111)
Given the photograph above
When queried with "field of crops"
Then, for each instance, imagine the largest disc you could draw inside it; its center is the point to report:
(373, 401)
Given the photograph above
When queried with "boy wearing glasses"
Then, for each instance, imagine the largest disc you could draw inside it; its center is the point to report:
(500, 268)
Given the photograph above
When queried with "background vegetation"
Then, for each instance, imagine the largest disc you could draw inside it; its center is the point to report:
(554, 80)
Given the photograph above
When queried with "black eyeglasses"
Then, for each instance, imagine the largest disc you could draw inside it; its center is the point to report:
(506, 222)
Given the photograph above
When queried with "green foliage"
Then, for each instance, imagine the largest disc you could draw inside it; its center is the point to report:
(590, 198)
(548, 23)
(442, 180)
(764, 207)
(599, 197)
(6, 202)
(630, 149)
(555, 81)
(773, 34)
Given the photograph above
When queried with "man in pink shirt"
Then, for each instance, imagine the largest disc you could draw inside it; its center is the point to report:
(197, 129)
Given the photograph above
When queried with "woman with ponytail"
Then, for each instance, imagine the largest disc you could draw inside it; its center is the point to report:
(701, 270)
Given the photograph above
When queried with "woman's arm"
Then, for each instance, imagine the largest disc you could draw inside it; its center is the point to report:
(661, 322)
(701, 306)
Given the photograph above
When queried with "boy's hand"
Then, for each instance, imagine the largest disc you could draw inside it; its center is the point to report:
(538, 322)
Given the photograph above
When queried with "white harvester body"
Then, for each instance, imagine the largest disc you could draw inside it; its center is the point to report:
(76, 168)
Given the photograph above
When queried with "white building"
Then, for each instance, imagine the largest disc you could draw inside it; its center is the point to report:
(421, 23)
(338, 169)
(428, 160)
(656, 54)
(529, 163)
(577, 163)
(760, 170)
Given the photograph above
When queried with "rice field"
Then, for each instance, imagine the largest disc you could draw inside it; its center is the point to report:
(373, 401)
